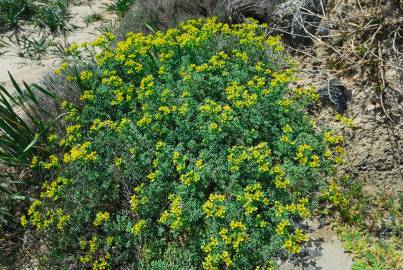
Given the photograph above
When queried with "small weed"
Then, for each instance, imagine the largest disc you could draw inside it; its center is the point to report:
(33, 48)
(368, 224)
(109, 27)
(20, 135)
(94, 17)
(53, 16)
(120, 7)
(370, 252)
(13, 11)
(3, 45)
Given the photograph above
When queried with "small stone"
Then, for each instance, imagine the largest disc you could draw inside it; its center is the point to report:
(335, 94)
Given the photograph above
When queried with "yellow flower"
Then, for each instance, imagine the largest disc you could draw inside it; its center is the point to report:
(287, 129)
(136, 229)
(93, 244)
(118, 161)
(213, 206)
(85, 75)
(348, 122)
(281, 226)
(109, 240)
(52, 163)
(226, 258)
(315, 161)
(23, 221)
(34, 161)
(213, 126)
(87, 95)
(100, 218)
(79, 151)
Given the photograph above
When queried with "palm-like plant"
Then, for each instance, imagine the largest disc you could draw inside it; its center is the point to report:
(22, 123)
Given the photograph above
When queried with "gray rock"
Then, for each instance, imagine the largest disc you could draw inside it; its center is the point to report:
(335, 94)
(324, 251)
(294, 18)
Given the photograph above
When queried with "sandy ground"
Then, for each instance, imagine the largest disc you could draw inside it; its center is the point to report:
(31, 71)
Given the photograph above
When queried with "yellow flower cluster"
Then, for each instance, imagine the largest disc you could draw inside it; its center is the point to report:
(73, 134)
(348, 122)
(112, 80)
(43, 221)
(309, 92)
(86, 75)
(137, 227)
(282, 77)
(280, 181)
(253, 194)
(301, 154)
(293, 243)
(231, 237)
(299, 208)
(223, 113)
(239, 95)
(334, 142)
(62, 68)
(101, 263)
(333, 139)
(53, 189)
(280, 228)
(100, 218)
(87, 95)
(146, 87)
(138, 198)
(190, 177)
(92, 256)
(72, 49)
(217, 61)
(179, 161)
(79, 151)
(122, 94)
(34, 161)
(98, 124)
(23, 221)
(274, 42)
(52, 163)
(335, 194)
(214, 207)
(235, 234)
(240, 154)
(72, 110)
(212, 262)
(173, 216)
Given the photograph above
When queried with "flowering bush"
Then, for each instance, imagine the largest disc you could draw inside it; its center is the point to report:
(188, 151)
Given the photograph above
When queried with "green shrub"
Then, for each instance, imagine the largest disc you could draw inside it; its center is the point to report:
(23, 123)
(120, 7)
(53, 15)
(164, 14)
(188, 151)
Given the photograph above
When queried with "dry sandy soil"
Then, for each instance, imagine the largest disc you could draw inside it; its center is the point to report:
(30, 71)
